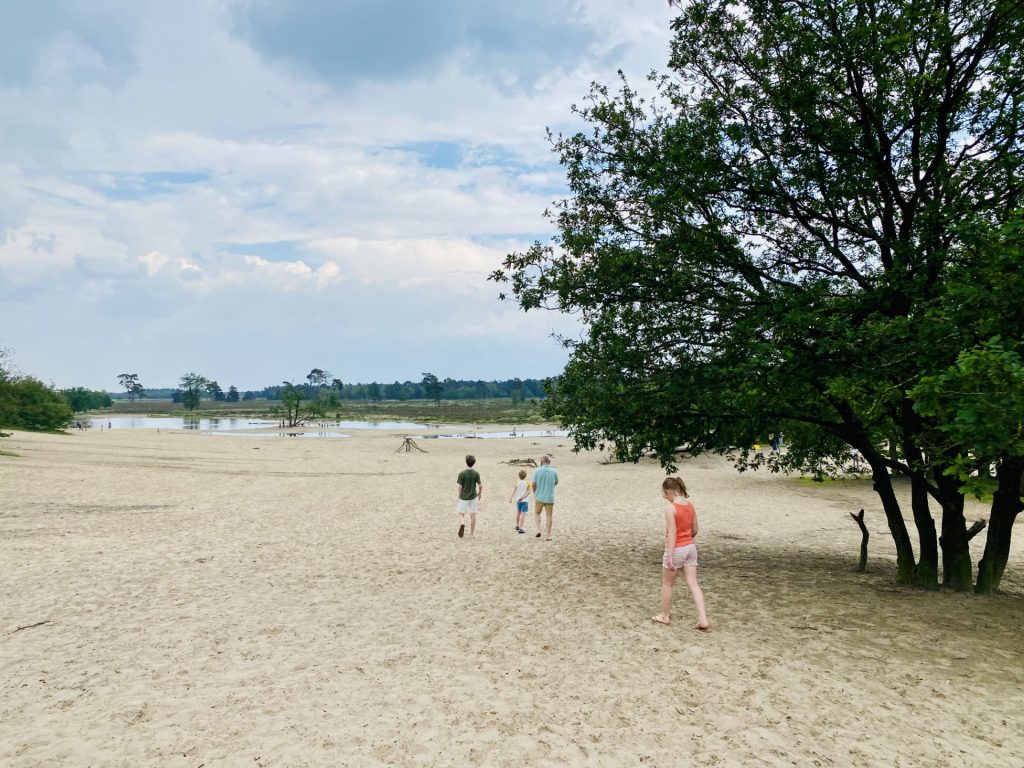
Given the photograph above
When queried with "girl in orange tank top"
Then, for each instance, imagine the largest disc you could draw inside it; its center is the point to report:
(680, 551)
(685, 515)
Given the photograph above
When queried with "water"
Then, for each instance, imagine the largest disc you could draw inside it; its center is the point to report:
(379, 425)
(500, 435)
(234, 424)
(326, 434)
(178, 422)
(246, 427)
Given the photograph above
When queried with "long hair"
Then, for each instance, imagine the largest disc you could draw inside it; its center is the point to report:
(677, 485)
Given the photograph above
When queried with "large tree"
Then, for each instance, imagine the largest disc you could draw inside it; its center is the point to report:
(214, 391)
(291, 399)
(318, 377)
(132, 386)
(777, 241)
(192, 387)
(433, 387)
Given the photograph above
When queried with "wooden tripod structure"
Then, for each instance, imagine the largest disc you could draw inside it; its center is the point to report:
(408, 446)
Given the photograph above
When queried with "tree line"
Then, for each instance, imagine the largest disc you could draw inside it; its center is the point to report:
(28, 403)
(452, 389)
(425, 389)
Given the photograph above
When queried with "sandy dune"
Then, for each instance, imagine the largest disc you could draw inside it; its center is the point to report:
(176, 599)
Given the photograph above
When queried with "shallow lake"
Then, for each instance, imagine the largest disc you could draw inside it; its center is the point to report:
(500, 435)
(245, 427)
(283, 433)
(235, 424)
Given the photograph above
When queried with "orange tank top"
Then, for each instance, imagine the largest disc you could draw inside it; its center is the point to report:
(684, 523)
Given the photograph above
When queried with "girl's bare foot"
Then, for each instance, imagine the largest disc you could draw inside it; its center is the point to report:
(661, 619)
(702, 627)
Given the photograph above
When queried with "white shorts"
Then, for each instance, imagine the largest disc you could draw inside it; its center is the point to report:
(681, 557)
(471, 506)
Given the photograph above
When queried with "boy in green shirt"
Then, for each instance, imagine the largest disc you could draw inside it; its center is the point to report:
(471, 488)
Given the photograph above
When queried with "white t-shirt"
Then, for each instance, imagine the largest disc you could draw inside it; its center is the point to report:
(522, 491)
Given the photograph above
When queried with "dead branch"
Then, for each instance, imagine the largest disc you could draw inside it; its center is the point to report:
(859, 519)
(521, 462)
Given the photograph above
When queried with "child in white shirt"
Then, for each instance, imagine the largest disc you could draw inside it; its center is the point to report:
(521, 495)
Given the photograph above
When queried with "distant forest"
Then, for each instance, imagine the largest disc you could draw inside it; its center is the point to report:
(452, 389)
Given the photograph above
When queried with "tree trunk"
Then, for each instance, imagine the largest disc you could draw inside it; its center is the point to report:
(1006, 504)
(926, 574)
(894, 516)
(956, 557)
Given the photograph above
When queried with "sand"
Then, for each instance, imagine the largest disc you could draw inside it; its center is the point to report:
(177, 599)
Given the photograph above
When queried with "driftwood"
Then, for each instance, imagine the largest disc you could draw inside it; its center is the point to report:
(30, 626)
(859, 519)
(408, 446)
(521, 462)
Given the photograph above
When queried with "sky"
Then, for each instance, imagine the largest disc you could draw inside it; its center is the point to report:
(249, 189)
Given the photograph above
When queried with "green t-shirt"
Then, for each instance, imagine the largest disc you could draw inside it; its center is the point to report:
(468, 479)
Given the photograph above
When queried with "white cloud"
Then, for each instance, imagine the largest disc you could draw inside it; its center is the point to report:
(460, 265)
(379, 242)
(288, 275)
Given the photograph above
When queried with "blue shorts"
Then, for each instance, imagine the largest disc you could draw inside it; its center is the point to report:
(522, 506)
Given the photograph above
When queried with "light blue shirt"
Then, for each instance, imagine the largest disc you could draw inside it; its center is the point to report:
(546, 479)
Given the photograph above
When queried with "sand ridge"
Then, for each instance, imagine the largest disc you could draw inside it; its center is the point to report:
(178, 599)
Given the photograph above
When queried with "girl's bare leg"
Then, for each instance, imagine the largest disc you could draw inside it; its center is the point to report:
(690, 574)
(668, 579)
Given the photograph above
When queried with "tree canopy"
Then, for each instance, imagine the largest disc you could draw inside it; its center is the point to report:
(291, 399)
(787, 238)
(192, 387)
(432, 386)
(131, 384)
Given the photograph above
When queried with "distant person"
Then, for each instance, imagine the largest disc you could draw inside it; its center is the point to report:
(521, 497)
(776, 443)
(471, 488)
(544, 481)
(680, 551)
(855, 456)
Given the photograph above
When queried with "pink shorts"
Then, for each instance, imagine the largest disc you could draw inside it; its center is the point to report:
(681, 556)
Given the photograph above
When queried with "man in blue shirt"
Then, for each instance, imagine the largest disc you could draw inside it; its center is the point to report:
(544, 481)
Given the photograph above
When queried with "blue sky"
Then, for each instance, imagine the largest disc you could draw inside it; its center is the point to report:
(250, 189)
